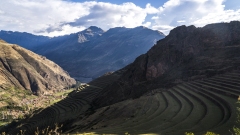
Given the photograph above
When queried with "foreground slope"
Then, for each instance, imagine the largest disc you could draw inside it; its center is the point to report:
(25, 70)
(189, 81)
(195, 106)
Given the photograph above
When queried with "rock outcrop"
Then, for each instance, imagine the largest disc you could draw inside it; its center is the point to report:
(26, 70)
(187, 53)
(89, 34)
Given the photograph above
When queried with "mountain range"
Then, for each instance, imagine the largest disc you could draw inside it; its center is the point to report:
(187, 82)
(24, 39)
(92, 52)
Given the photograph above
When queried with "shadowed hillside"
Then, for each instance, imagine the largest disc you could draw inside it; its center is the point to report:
(188, 81)
(25, 70)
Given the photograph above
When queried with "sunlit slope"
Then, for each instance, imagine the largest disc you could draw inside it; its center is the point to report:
(24, 69)
(75, 105)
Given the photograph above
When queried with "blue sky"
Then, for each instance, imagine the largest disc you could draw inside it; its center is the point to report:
(60, 17)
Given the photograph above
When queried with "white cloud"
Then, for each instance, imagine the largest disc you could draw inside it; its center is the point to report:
(163, 28)
(147, 24)
(2, 12)
(155, 17)
(58, 17)
(181, 21)
(192, 12)
(223, 16)
(66, 29)
(107, 15)
(33, 15)
(150, 9)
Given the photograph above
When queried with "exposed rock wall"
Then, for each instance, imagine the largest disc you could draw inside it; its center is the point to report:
(187, 53)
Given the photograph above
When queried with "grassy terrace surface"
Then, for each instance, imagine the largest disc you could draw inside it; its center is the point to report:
(195, 106)
(17, 104)
(76, 103)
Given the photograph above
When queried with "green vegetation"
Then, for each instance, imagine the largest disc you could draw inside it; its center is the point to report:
(47, 131)
(189, 133)
(16, 104)
(236, 130)
(208, 133)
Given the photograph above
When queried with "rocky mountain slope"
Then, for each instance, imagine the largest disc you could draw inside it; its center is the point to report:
(24, 69)
(188, 81)
(187, 53)
(111, 51)
(62, 43)
(93, 52)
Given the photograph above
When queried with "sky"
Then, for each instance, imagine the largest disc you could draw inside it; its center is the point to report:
(61, 17)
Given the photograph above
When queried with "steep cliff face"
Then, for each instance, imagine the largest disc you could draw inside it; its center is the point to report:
(189, 48)
(187, 53)
(26, 70)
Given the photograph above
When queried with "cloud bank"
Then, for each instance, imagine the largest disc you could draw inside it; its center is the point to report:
(58, 17)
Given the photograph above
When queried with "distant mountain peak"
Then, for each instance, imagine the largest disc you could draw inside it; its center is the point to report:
(89, 33)
(94, 28)
(142, 27)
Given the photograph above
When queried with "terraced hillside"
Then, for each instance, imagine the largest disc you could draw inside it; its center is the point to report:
(18, 104)
(194, 106)
(77, 103)
(189, 81)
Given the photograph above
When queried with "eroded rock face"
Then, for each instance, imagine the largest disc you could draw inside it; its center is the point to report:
(187, 53)
(187, 47)
(26, 70)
